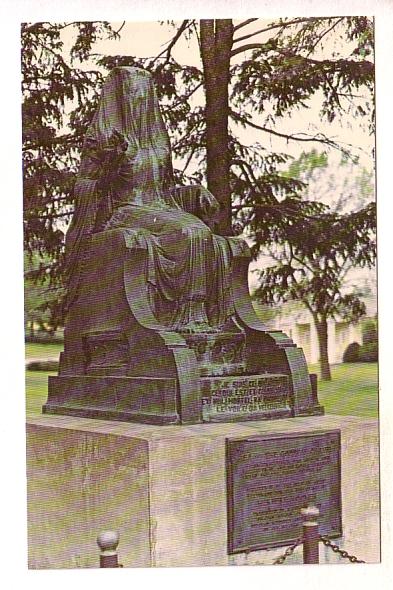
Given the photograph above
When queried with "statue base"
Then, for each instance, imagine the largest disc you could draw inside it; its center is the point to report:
(155, 401)
(165, 490)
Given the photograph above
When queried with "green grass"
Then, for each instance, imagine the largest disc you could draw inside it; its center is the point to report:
(37, 381)
(34, 350)
(353, 390)
(36, 391)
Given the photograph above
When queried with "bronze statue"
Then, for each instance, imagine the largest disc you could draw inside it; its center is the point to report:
(126, 181)
(160, 327)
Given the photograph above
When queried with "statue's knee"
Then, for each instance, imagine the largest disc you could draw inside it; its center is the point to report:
(198, 233)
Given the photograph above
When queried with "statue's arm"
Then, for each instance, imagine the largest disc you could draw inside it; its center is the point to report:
(105, 164)
(196, 199)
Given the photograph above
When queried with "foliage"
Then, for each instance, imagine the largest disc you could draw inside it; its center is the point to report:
(313, 254)
(369, 332)
(341, 183)
(274, 71)
(58, 100)
(368, 353)
(43, 366)
(42, 299)
(351, 353)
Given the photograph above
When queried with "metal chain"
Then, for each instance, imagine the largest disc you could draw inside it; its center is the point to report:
(341, 552)
(288, 552)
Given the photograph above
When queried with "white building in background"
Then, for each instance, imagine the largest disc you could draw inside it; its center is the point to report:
(297, 323)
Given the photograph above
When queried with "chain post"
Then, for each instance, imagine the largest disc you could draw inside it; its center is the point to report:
(310, 534)
(108, 542)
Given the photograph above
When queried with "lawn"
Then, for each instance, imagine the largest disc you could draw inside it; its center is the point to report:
(36, 391)
(353, 390)
(37, 381)
(43, 351)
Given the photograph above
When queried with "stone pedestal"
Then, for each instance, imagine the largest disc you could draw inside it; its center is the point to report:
(164, 490)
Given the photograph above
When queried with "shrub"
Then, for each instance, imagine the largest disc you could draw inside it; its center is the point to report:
(351, 354)
(42, 337)
(369, 332)
(43, 366)
(368, 353)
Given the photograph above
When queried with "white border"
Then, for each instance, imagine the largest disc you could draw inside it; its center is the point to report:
(13, 502)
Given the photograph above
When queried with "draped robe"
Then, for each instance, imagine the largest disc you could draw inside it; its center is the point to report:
(126, 181)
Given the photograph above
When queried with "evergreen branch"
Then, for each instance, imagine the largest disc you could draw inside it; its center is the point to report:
(326, 62)
(276, 26)
(247, 47)
(53, 141)
(167, 52)
(320, 138)
(277, 207)
(245, 166)
(194, 149)
(182, 99)
(300, 261)
(319, 39)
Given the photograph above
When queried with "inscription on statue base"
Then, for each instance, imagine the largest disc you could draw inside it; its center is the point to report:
(244, 397)
(270, 478)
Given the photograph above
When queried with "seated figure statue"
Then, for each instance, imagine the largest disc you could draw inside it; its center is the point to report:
(126, 181)
(160, 327)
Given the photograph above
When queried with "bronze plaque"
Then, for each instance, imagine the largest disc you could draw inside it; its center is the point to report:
(271, 477)
(260, 396)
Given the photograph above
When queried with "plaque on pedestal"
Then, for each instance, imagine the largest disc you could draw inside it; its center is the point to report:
(271, 477)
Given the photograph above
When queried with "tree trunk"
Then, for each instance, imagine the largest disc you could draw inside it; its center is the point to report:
(216, 45)
(322, 331)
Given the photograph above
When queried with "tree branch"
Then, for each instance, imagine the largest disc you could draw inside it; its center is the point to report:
(320, 138)
(185, 24)
(118, 30)
(247, 47)
(244, 23)
(301, 262)
(245, 166)
(61, 140)
(319, 39)
(183, 99)
(191, 155)
(288, 53)
(276, 26)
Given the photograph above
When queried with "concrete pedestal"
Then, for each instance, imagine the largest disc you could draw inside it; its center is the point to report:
(164, 489)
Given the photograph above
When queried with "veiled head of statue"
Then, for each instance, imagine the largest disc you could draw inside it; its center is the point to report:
(132, 83)
(129, 104)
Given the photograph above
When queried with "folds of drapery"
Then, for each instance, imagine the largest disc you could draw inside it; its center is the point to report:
(126, 163)
(188, 267)
(82, 226)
